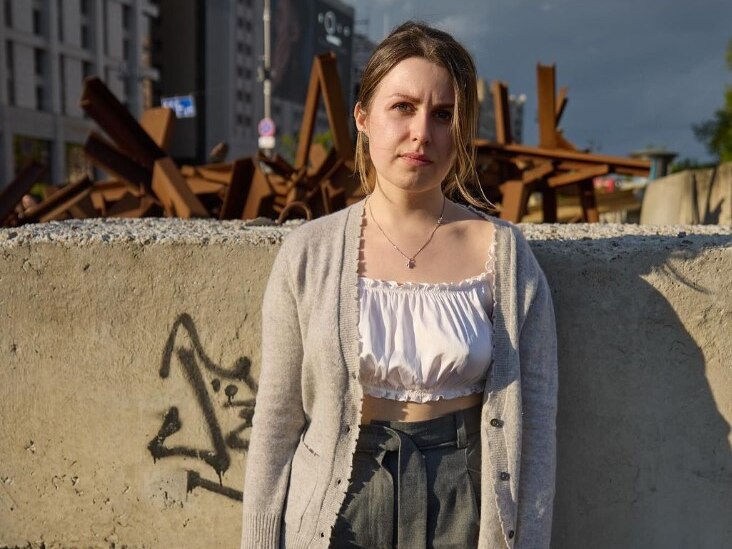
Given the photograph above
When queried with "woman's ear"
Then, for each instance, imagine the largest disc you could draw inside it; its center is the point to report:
(359, 116)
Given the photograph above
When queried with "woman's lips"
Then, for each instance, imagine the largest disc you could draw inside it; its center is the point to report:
(416, 159)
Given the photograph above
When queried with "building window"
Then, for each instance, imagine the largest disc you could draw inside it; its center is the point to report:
(37, 21)
(86, 69)
(84, 7)
(126, 49)
(27, 149)
(126, 18)
(10, 65)
(77, 164)
(85, 37)
(8, 10)
(39, 61)
(40, 98)
(60, 20)
(62, 81)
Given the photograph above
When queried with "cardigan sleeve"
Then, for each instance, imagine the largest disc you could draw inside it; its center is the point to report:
(538, 370)
(278, 414)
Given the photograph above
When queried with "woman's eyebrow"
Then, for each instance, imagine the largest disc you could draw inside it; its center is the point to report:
(412, 99)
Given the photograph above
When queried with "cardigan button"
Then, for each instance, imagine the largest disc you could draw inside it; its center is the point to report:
(495, 422)
(511, 533)
(504, 476)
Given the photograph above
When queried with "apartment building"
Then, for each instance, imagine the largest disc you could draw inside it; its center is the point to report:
(148, 50)
(47, 48)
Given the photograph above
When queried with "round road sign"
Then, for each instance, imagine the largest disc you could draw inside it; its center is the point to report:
(266, 127)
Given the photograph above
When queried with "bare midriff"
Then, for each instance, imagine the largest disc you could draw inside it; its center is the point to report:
(385, 409)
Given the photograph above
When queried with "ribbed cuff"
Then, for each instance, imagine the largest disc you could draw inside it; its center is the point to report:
(260, 531)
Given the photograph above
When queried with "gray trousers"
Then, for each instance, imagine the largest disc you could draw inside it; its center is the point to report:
(415, 485)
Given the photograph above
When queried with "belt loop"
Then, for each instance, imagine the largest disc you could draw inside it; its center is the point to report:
(462, 432)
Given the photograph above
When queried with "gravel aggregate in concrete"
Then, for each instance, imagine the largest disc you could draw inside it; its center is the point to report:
(263, 231)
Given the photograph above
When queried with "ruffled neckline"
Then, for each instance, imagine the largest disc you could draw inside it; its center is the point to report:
(466, 283)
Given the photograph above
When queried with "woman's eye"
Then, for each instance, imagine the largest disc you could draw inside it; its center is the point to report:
(444, 116)
(403, 107)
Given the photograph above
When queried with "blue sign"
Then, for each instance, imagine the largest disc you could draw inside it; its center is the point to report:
(266, 127)
(183, 105)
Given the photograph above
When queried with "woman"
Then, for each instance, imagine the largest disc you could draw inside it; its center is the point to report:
(407, 395)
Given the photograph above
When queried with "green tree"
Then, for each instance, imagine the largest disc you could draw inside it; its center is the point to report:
(716, 133)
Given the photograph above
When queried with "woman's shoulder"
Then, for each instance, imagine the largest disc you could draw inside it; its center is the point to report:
(469, 212)
(318, 233)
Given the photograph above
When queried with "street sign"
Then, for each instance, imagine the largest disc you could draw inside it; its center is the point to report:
(266, 142)
(183, 105)
(266, 127)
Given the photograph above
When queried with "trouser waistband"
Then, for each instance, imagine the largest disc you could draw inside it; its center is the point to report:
(408, 439)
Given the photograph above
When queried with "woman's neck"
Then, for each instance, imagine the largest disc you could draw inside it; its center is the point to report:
(400, 207)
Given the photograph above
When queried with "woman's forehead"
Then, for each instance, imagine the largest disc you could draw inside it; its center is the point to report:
(417, 78)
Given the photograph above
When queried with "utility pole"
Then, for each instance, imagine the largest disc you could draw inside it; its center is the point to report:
(267, 69)
(266, 126)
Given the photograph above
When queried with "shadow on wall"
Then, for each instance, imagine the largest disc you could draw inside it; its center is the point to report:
(643, 454)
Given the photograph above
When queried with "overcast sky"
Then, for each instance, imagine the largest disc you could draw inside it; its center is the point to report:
(640, 72)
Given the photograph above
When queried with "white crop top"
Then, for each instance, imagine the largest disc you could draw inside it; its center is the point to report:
(421, 341)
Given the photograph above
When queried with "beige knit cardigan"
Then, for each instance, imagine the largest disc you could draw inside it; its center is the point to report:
(308, 405)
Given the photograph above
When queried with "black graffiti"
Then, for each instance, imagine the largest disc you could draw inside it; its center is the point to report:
(194, 361)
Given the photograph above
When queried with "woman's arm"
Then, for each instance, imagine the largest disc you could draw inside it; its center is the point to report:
(278, 414)
(538, 358)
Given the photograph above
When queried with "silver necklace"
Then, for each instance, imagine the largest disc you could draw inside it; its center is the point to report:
(410, 260)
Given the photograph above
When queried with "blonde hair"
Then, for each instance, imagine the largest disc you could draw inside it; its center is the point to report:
(413, 39)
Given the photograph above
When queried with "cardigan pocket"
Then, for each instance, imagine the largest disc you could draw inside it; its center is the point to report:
(304, 476)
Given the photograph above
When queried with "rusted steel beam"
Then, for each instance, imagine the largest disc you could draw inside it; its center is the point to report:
(221, 173)
(546, 110)
(516, 192)
(502, 112)
(549, 205)
(324, 81)
(575, 177)
(335, 105)
(309, 112)
(112, 190)
(106, 110)
(578, 157)
(59, 202)
(199, 185)
(102, 153)
(588, 201)
(14, 191)
(561, 104)
(171, 189)
(267, 195)
(562, 142)
(133, 207)
(78, 207)
(158, 123)
(240, 183)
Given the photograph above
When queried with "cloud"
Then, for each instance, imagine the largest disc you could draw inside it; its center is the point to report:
(638, 71)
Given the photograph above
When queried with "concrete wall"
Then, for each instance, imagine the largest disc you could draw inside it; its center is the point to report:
(129, 358)
(692, 196)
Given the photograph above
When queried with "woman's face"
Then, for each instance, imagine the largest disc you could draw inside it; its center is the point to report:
(408, 126)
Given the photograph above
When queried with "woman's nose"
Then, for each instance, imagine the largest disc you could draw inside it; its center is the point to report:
(421, 128)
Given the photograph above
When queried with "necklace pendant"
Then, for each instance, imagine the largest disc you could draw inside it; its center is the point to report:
(410, 264)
